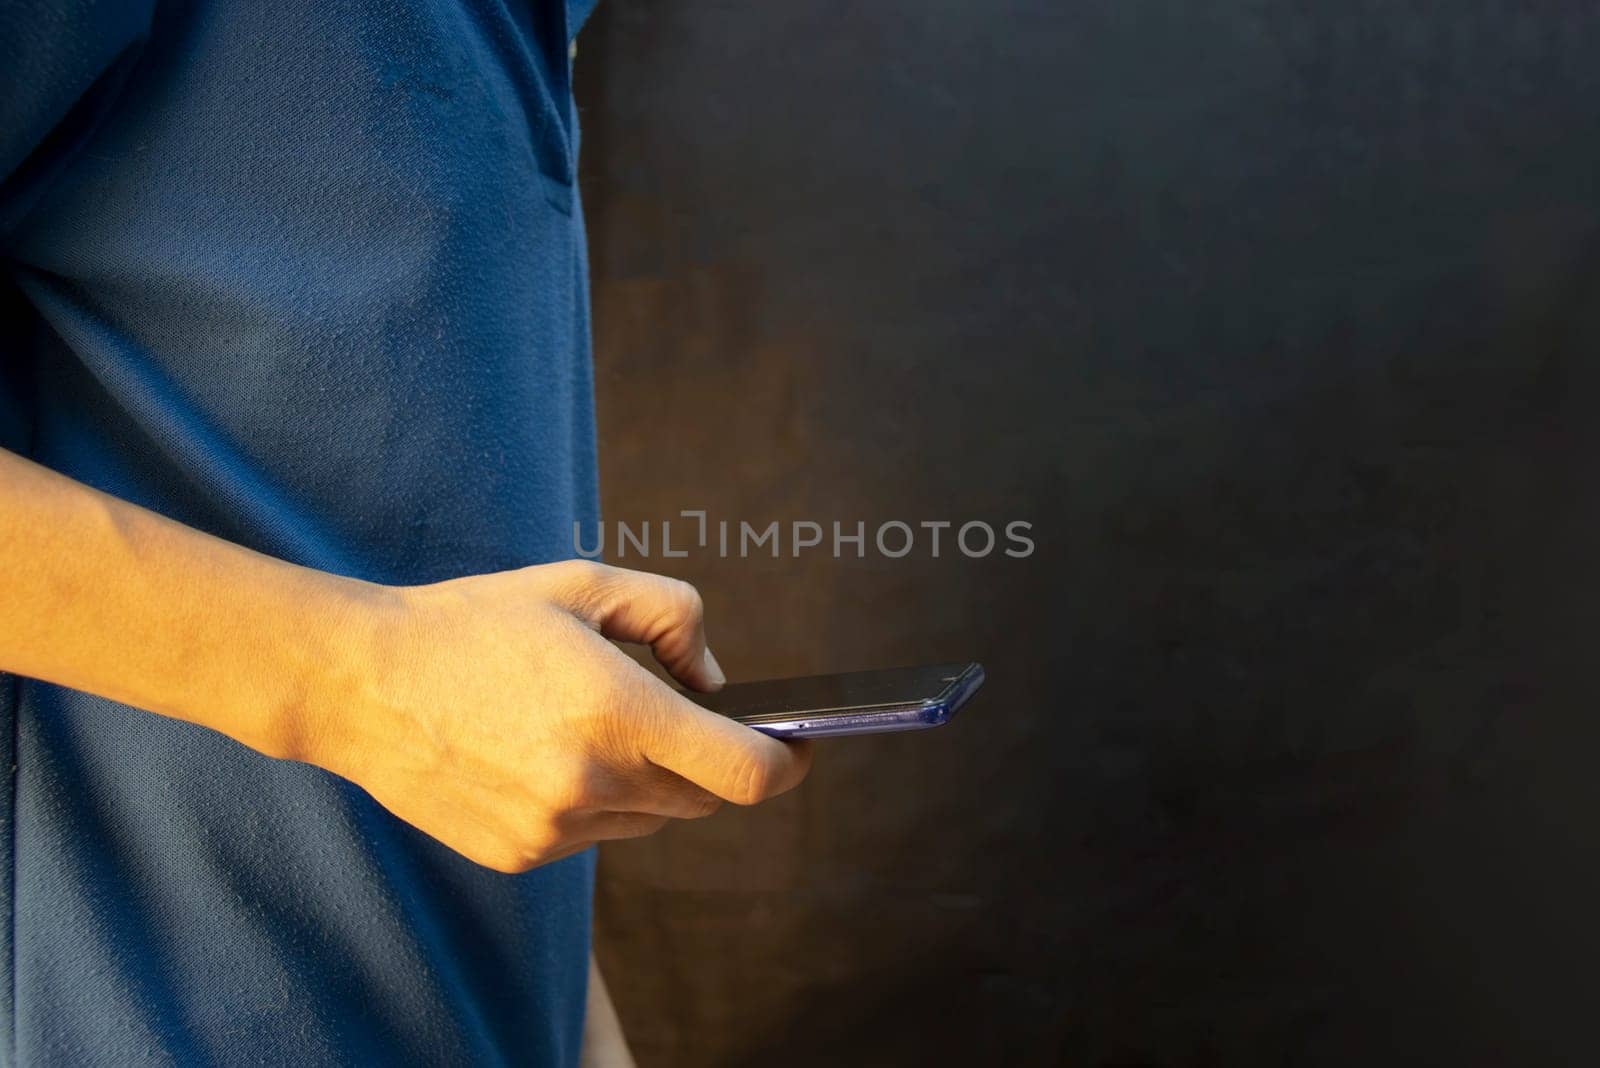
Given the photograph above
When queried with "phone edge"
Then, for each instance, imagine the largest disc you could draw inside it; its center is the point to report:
(934, 712)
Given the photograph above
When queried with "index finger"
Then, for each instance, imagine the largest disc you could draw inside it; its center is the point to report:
(664, 613)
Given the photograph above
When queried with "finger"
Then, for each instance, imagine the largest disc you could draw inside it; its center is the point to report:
(712, 751)
(663, 613)
(627, 781)
(666, 793)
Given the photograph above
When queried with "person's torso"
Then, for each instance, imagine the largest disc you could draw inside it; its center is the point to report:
(311, 280)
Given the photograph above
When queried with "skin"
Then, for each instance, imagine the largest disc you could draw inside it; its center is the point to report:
(492, 711)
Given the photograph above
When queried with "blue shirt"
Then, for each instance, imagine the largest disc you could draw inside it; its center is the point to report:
(309, 276)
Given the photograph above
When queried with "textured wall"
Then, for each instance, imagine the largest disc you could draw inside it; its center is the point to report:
(1278, 320)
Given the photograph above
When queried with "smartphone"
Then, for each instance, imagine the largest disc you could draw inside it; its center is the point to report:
(858, 702)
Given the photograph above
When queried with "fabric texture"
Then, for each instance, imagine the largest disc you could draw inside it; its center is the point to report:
(309, 276)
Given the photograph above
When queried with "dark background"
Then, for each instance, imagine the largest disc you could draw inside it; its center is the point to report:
(1278, 321)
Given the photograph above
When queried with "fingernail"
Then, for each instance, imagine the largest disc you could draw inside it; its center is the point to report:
(714, 673)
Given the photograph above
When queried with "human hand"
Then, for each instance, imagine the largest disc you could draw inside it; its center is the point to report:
(492, 713)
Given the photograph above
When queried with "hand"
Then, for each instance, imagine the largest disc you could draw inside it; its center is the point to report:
(492, 713)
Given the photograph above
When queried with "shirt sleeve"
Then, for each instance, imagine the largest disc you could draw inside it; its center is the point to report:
(61, 64)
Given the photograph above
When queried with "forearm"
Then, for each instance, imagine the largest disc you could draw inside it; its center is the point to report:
(490, 711)
(102, 596)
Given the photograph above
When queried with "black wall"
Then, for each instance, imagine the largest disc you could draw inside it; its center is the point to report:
(1278, 321)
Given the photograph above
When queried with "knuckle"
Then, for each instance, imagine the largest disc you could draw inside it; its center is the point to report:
(582, 586)
(570, 785)
(579, 572)
(691, 607)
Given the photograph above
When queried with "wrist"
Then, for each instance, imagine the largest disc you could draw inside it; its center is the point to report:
(342, 642)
